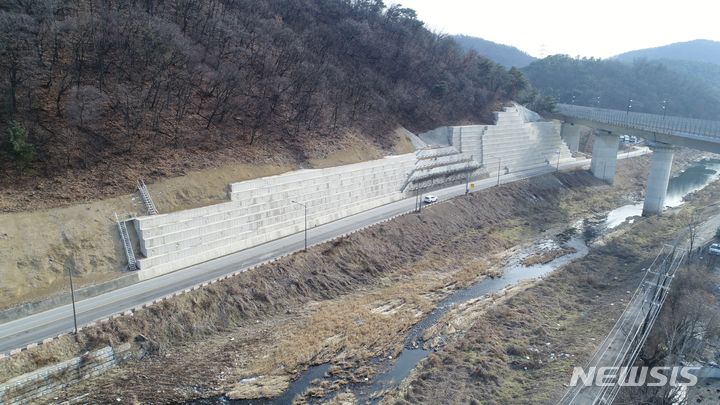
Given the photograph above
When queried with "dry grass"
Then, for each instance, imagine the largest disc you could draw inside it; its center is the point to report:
(546, 256)
(84, 236)
(329, 303)
(522, 349)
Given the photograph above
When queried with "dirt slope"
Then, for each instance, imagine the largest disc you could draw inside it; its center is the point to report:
(37, 246)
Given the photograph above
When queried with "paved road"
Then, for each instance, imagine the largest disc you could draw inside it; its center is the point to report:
(35, 328)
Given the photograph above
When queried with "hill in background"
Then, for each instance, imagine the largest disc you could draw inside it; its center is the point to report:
(697, 60)
(700, 50)
(505, 55)
(707, 73)
(612, 83)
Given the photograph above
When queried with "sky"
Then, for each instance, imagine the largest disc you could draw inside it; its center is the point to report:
(600, 28)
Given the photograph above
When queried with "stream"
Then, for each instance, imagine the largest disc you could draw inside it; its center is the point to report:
(392, 371)
(695, 177)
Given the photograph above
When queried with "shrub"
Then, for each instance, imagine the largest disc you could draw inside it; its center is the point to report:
(18, 147)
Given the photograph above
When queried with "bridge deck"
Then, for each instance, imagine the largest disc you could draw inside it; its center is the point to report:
(655, 123)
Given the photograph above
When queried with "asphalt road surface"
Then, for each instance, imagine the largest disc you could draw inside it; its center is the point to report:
(34, 328)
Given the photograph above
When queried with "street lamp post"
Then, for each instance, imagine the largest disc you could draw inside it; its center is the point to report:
(306, 227)
(72, 294)
(664, 108)
(72, 297)
(420, 202)
(498, 170)
(627, 112)
(467, 182)
(557, 168)
(467, 179)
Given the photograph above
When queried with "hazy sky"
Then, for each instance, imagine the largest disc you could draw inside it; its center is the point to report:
(600, 28)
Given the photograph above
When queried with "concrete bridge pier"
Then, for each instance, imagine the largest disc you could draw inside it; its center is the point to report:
(658, 179)
(604, 155)
(571, 135)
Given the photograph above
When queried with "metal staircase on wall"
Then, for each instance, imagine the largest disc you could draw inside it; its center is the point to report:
(127, 245)
(146, 199)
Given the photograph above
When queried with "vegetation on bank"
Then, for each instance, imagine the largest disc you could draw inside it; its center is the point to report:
(322, 305)
(523, 350)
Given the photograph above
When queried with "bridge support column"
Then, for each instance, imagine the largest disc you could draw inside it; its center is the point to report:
(571, 135)
(604, 155)
(658, 179)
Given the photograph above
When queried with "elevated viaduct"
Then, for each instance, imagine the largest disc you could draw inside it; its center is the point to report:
(663, 133)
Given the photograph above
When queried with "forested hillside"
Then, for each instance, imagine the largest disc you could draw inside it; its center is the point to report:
(103, 85)
(707, 73)
(699, 50)
(505, 55)
(612, 84)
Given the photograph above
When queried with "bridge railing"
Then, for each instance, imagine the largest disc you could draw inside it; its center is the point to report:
(669, 125)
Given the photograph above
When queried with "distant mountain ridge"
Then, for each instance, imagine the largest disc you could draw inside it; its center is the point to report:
(684, 88)
(505, 55)
(699, 50)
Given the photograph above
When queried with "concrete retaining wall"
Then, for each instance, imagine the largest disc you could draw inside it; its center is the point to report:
(517, 142)
(32, 387)
(261, 210)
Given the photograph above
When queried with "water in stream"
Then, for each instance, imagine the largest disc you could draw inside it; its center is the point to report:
(694, 178)
(392, 371)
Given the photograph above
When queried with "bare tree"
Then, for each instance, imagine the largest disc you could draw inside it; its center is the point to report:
(694, 223)
(86, 105)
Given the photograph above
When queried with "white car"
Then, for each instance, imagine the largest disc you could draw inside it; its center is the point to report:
(429, 199)
(714, 249)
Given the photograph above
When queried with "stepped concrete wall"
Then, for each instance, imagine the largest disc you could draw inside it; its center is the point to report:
(518, 141)
(261, 210)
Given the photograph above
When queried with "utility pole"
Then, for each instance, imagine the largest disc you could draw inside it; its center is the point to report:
(306, 227)
(72, 296)
(498, 171)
